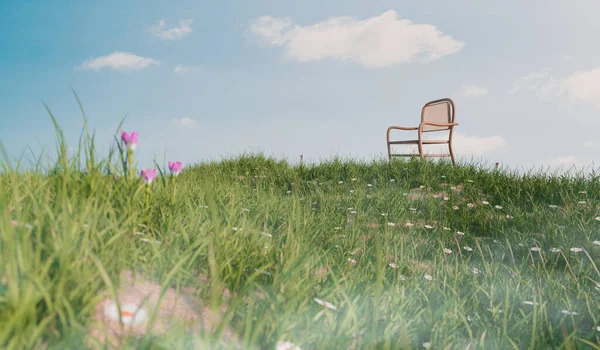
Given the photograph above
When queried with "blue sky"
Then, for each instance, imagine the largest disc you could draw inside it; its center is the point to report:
(204, 80)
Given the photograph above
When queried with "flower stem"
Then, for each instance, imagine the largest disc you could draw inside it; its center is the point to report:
(130, 162)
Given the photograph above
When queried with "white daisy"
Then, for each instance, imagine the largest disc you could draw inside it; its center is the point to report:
(337, 228)
(392, 180)
(286, 345)
(555, 250)
(266, 234)
(597, 218)
(409, 224)
(354, 179)
(325, 303)
(412, 209)
(130, 313)
(467, 248)
(428, 226)
(452, 187)
(536, 249)
(402, 278)
(498, 206)
(340, 182)
(383, 214)
(353, 212)
(470, 205)
(446, 198)
(455, 207)
(596, 242)
(427, 345)
(553, 206)
(393, 265)
(428, 277)
(421, 186)
(475, 271)
(485, 202)
(352, 261)
(575, 250)
(460, 233)
(351, 191)
(447, 228)
(447, 251)
(581, 202)
(369, 185)
(470, 181)
(567, 312)
(509, 217)
(391, 224)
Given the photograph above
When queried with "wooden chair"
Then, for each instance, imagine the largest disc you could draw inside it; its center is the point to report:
(438, 115)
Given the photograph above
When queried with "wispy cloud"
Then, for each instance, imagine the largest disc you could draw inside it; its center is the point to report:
(473, 91)
(183, 69)
(184, 121)
(580, 86)
(123, 61)
(161, 31)
(378, 41)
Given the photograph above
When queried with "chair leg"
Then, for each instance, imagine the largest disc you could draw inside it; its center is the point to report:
(451, 153)
(389, 152)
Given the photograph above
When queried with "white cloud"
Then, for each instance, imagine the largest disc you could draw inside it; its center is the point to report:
(379, 41)
(160, 30)
(462, 145)
(184, 121)
(476, 146)
(123, 61)
(183, 69)
(473, 91)
(581, 86)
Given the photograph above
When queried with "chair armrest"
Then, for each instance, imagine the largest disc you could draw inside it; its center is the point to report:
(437, 124)
(393, 127)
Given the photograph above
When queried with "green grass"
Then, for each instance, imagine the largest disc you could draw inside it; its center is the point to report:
(83, 220)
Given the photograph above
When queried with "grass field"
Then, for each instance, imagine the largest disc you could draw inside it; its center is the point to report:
(336, 255)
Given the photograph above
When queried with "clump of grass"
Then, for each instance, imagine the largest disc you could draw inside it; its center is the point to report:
(320, 255)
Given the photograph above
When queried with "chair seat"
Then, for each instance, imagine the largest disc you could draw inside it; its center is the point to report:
(425, 142)
(417, 155)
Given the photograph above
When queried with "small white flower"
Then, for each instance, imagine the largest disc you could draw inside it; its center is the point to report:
(409, 224)
(353, 212)
(351, 191)
(392, 180)
(455, 207)
(383, 214)
(554, 250)
(567, 312)
(428, 226)
(421, 186)
(470, 205)
(536, 249)
(325, 303)
(393, 265)
(391, 224)
(352, 261)
(447, 251)
(470, 181)
(452, 187)
(288, 192)
(446, 228)
(575, 250)
(530, 303)
(582, 192)
(149, 241)
(354, 179)
(337, 228)
(553, 206)
(428, 277)
(596, 242)
(402, 278)
(369, 185)
(266, 234)
(509, 217)
(485, 202)
(598, 328)
(446, 198)
(581, 202)
(460, 233)
(427, 345)
(405, 194)
(467, 248)
(340, 182)
(236, 228)
(130, 313)
(475, 271)
(597, 218)
(443, 176)
(436, 196)
(244, 209)
(498, 206)
(286, 345)
(412, 209)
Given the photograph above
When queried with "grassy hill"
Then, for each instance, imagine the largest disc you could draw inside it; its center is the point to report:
(340, 254)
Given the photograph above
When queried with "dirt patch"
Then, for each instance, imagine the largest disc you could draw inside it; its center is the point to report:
(138, 299)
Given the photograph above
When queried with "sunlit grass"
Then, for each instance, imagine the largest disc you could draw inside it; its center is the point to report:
(341, 254)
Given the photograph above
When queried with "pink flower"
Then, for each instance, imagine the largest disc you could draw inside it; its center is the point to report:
(130, 140)
(175, 168)
(148, 175)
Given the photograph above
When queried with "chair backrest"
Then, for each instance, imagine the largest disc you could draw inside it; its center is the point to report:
(438, 111)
